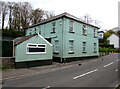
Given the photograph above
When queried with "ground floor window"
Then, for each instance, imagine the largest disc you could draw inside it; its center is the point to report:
(71, 46)
(36, 48)
(56, 46)
(84, 47)
(95, 47)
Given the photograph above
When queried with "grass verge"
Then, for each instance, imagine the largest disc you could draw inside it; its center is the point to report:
(6, 68)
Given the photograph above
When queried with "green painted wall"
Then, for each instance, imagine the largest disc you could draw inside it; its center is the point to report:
(79, 38)
(46, 32)
(21, 54)
(62, 34)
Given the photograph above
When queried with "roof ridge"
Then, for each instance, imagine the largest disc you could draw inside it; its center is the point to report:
(61, 15)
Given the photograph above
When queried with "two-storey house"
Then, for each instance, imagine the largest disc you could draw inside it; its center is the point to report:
(71, 38)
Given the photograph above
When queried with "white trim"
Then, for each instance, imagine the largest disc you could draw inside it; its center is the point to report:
(71, 46)
(84, 46)
(71, 26)
(71, 51)
(45, 40)
(84, 30)
(35, 47)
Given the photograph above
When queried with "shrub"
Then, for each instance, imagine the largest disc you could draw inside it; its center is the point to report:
(107, 50)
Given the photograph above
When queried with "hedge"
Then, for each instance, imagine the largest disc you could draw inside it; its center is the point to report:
(108, 50)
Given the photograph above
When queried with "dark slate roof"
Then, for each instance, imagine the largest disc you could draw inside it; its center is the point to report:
(62, 15)
(19, 40)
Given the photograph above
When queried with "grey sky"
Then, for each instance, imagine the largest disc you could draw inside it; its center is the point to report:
(105, 11)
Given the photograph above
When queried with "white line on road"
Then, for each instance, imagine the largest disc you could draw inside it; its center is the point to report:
(46, 87)
(108, 64)
(85, 74)
(117, 60)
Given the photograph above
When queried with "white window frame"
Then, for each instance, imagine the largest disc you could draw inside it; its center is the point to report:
(56, 46)
(37, 46)
(95, 47)
(71, 46)
(53, 27)
(84, 46)
(95, 32)
(39, 31)
(71, 25)
(84, 29)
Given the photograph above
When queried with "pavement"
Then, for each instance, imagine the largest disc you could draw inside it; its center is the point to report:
(25, 72)
(98, 72)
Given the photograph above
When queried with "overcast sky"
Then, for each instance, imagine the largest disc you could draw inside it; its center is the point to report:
(105, 11)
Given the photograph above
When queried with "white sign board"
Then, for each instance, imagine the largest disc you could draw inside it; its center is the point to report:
(100, 35)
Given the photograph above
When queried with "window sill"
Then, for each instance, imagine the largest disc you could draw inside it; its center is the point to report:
(70, 52)
(85, 34)
(52, 32)
(95, 52)
(71, 32)
(84, 52)
(95, 36)
(35, 53)
(56, 52)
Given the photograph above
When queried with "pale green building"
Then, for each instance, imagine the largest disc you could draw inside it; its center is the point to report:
(32, 50)
(71, 38)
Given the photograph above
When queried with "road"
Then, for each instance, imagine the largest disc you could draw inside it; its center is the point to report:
(100, 73)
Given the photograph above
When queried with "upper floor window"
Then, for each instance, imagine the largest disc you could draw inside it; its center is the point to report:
(39, 29)
(71, 26)
(36, 48)
(35, 30)
(30, 33)
(53, 27)
(95, 33)
(84, 28)
(39, 32)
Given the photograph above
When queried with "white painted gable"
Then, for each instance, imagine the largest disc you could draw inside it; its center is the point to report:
(114, 39)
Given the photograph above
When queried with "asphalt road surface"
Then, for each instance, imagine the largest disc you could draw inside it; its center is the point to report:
(100, 73)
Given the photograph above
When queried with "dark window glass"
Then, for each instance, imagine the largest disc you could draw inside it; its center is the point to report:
(36, 49)
(32, 45)
(41, 45)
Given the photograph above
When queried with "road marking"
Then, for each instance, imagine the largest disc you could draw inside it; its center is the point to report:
(85, 74)
(116, 70)
(118, 60)
(46, 87)
(108, 64)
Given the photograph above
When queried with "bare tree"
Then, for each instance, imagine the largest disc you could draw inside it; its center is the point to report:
(3, 12)
(25, 14)
(49, 14)
(21, 15)
(37, 16)
(88, 19)
(10, 7)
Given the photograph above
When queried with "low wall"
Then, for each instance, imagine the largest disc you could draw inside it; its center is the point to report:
(8, 62)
